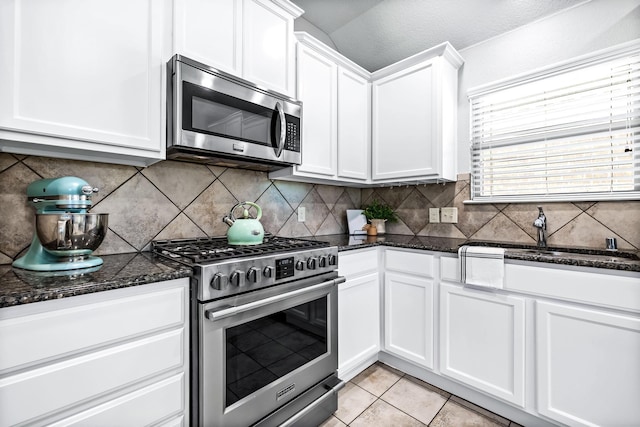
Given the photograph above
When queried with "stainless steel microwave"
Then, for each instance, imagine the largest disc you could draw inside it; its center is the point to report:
(219, 119)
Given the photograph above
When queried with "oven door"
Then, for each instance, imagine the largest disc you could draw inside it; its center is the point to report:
(260, 351)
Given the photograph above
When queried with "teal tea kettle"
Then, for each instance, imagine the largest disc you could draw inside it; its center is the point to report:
(246, 230)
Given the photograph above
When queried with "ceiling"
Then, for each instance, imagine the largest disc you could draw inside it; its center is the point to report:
(376, 33)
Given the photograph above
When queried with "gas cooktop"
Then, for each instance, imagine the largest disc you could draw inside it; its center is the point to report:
(214, 249)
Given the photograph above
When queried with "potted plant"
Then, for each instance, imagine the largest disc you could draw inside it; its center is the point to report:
(378, 213)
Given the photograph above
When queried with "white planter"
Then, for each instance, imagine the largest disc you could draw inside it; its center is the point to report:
(378, 224)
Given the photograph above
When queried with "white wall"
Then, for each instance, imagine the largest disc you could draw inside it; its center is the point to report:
(588, 27)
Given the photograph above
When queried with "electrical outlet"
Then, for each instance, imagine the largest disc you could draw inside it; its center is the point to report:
(302, 214)
(449, 215)
(434, 215)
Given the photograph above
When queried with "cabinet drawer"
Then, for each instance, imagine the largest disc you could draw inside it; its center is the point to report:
(605, 288)
(140, 408)
(450, 269)
(356, 263)
(409, 262)
(46, 335)
(40, 391)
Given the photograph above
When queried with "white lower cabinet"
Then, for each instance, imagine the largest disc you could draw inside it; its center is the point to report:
(482, 340)
(358, 312)
(408, 317)
(111, 358)
(409, 306)
(588, 365)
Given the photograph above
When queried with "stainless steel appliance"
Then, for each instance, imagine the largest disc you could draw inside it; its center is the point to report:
(264, 330)
(216, 118)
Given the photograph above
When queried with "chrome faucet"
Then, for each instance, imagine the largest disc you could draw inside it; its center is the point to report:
(541, 224)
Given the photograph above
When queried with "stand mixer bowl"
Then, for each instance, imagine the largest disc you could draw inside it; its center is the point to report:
(71, 234)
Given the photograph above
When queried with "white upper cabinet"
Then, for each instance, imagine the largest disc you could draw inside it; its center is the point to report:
(195, 37)
(414, 109)
(84, 80)
(269, 44)
(252, 39)
(354, 125)
(335, 95)
(317, 86)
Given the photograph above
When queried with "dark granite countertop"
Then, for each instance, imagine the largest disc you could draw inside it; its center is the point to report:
(583, 257)
(118, 271)
(124, 270)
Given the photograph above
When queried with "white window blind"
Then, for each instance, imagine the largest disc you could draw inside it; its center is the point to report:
(572, 134)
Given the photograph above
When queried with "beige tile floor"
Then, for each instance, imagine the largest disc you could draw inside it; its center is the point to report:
(383, 396)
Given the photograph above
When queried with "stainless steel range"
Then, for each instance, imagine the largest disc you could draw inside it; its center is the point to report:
(264, 330)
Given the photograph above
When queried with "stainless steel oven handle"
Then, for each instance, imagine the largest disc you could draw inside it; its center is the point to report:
(215, 315)
(300, 415)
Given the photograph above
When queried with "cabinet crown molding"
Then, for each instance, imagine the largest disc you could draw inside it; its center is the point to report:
(291, 8)
(444, 50)
(317, 45)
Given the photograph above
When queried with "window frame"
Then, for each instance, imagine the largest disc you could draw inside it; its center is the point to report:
(594, 58)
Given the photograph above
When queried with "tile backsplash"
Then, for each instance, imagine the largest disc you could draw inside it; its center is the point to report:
(584, 224)
(178, 200)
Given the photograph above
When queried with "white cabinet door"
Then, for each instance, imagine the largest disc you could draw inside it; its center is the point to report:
(404, 132)
(82, 78)
(317, 90)
(354, 120)
(482, 340)
(195, 35)
(101, 356)
(268, 45)
(358, 322)
(409, 317)
(588, 365)
(252, 39)
(414, 116)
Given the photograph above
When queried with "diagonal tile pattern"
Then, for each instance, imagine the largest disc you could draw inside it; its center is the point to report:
(381, 396)
(168, 200)
(179, 200)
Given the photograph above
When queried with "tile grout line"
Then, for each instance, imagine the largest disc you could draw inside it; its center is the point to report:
(440, 410)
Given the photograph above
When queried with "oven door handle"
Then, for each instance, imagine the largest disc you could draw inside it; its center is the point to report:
(215, 315)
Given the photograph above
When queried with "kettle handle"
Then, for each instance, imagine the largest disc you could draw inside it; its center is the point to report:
(243, 204)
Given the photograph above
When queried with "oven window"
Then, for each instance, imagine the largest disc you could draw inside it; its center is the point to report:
(214, 113)
(263, 350)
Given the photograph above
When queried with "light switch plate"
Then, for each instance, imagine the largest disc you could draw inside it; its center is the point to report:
(434, 215)
(302, 214)
(449, 215)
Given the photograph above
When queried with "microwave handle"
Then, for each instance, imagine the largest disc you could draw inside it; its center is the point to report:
(283, 129)
(215, 315)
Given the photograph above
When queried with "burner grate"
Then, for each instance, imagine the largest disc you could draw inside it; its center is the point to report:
(210, 250)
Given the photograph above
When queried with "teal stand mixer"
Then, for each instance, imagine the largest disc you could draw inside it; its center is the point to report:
(65, 232)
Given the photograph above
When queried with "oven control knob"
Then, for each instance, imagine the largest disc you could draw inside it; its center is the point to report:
(322, 261)
(311, 263)
(218, 281)
(268, 271)
(234, 279)
(333, 260)
(252, 274)
(300, 265)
